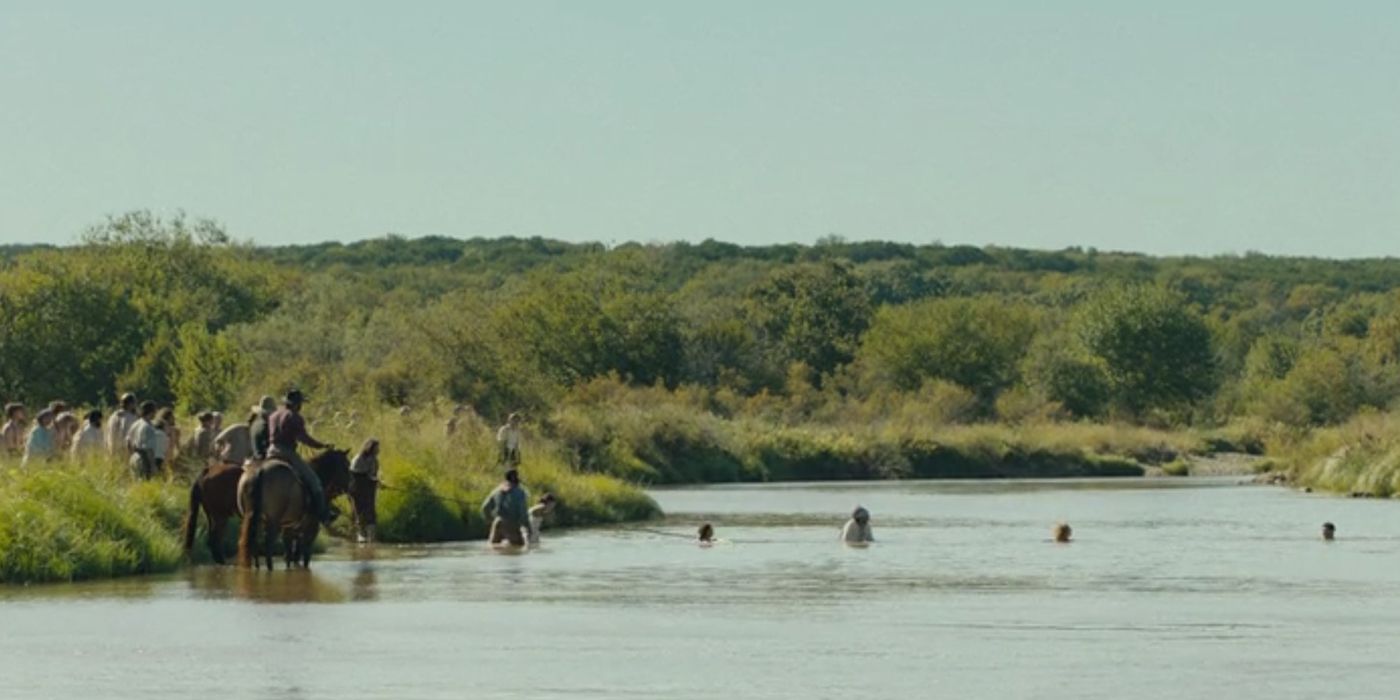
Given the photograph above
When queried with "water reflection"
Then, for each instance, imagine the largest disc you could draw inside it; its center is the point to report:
(294, 586)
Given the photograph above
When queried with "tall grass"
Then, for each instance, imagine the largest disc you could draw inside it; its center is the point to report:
(72, 522)
(653, 435)
(433, 485)
(1361, 456)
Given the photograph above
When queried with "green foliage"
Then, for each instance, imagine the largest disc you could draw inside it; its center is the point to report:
(62, 335)
(812, 313)
(78, 523)
(974, 343)
(1156, 350)
(209, 370)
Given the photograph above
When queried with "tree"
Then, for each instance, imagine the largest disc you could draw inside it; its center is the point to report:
(209, 370)
(63, 336)
(1156, 350)
(974, 343)
(812, 313)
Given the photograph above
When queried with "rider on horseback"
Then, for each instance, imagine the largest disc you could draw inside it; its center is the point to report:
(287, 429)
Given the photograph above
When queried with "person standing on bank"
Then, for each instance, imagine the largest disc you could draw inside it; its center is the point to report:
(286, 429)
(39, 447)
(88, 441)
(120, 424)
(364, 490)
(508, 437)
(508, 513)
(202, 442)
(12, 435)
(141, 442)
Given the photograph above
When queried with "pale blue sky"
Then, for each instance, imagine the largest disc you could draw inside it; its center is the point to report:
(1181, 127)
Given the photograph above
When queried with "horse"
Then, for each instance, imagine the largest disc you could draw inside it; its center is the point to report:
(216, 491)
(271, 496)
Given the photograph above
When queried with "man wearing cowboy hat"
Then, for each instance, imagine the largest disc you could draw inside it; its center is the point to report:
(287, 429)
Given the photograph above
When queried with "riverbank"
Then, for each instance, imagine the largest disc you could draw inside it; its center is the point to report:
(1359, 458)
(69, 522)
(653, 436)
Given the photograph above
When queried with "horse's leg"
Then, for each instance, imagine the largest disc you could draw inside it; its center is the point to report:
(216, 538)
(289, 546)
(270, 544)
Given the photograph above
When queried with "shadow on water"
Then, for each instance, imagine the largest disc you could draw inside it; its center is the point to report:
(294, 586)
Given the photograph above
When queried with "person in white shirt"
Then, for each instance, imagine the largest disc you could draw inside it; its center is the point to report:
(12, 436)
(235, 444)
(537, 514)
(508, 437)
(88, 441)
(39, 447)
(141, 442)
(364, 490)
(857, 530)
(119, 426)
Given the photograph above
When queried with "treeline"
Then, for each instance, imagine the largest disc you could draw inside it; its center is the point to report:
(178, 311)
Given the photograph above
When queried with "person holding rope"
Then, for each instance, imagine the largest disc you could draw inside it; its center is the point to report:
(507, 512)
(364, 490)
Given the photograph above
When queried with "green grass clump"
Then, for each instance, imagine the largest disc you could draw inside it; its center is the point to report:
(433, 485)
(66, 523)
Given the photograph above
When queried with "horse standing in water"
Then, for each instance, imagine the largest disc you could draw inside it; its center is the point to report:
(270, 496)
(216, 491)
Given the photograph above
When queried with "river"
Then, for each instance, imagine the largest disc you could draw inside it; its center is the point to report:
(1192, 588)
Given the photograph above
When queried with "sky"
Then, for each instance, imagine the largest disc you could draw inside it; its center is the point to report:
(1172, 128)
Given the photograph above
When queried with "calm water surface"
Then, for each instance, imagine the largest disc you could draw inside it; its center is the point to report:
(1172, 589)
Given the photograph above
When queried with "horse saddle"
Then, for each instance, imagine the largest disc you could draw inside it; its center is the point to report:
(254, 465)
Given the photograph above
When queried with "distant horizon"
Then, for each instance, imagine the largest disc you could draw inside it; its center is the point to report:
(1194, 128)
(236, 237)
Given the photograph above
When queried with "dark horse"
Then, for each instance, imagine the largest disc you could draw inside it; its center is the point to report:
(216, 490)
(272, 497)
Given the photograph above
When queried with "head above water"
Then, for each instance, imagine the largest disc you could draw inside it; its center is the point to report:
(1062, 532)
(707, 532)
(860, 515)
(1329, 531)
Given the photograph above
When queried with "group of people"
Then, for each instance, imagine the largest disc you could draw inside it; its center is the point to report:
(57, 432)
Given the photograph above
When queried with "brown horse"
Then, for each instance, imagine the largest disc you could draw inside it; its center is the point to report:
(270, 496)
(216, 491)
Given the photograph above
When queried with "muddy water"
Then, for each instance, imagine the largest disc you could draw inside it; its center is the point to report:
(1172, 589)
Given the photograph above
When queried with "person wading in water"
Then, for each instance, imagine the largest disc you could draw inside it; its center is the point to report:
(507, 512)
(287, 429)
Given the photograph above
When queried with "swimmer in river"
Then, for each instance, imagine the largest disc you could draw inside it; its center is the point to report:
(1062, 532)
(1329, 532)
(857, 529)
(707, 535)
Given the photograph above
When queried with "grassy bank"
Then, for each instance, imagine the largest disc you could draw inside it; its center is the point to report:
(1361, 457)
(654, 436)
(66, 522)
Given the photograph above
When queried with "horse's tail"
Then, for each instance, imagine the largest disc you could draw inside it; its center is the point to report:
(252, 513)
(192, 520)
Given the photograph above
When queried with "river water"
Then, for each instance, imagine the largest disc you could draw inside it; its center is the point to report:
(1171, 589)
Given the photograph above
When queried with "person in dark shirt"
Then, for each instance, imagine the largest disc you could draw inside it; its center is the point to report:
(286, 430)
